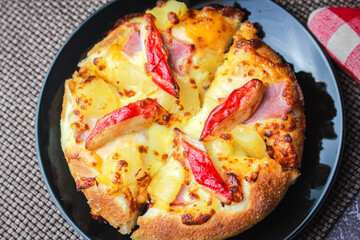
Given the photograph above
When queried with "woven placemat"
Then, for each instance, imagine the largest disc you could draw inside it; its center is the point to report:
(31, 32)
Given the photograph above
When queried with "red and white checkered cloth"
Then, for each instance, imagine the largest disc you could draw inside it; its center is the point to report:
(338, 30)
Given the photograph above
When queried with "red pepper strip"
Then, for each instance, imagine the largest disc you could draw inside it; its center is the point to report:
(157, 57)
(130, 117)
(204, 171)
(236, 108)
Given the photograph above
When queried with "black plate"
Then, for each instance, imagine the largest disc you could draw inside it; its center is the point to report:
(324, 135)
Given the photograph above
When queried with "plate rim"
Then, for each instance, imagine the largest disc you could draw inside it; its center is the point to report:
(331, 178)
(37, 133)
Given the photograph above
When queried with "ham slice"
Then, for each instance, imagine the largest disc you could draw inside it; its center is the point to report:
(273, 104)
(179, 54)
(133, 44)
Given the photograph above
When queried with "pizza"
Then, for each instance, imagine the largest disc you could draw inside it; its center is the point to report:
(183, 122)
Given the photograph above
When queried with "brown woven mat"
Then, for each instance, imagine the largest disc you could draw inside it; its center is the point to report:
(31, 32)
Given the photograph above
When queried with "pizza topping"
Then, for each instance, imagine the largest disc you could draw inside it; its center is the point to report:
(94, 97)
(133, 44)
(179, 54)
(167, 182)
(236, 108)
(85, 182)
(203, 169)
(157, 57)
(198, 219)
(235, 187)
(273, 104)
(132, 117)
(250, 141)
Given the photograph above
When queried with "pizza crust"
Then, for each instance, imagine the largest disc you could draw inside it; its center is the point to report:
(260, 199)
(114, 209)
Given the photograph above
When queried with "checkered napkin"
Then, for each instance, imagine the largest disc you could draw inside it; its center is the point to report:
(338, 30)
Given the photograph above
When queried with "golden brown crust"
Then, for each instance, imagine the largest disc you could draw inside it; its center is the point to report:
(298, 135)
(101, 202)
(106, 206)
(264, 195)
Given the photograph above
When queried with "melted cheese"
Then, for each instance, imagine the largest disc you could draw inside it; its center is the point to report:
(207, 29)
(210, 33)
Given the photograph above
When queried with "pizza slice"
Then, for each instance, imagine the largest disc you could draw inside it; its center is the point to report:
(279, 119)
(107, 148)
(207, 193)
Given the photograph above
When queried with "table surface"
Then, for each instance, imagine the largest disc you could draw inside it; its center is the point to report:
(31, 34)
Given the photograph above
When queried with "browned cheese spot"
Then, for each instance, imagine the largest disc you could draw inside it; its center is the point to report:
(82, 71)
(235, 187)
(133, 205)
(143, 149)
(129, 92)
(88, 80)
(117, 179)
(122, 163)
(200, 218)
(226, 136)
(85, 182)
(193, 195)
(252, 177)
(173, 18)
(101, 67)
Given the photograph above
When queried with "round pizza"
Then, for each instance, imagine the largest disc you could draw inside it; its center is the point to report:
(184, 123)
